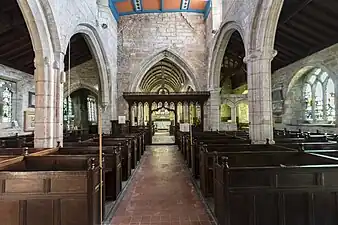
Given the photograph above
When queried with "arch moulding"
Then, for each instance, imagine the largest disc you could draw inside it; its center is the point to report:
(149, 62)
(95, 46)
(264, 25)
(78, 86)
(217, 51)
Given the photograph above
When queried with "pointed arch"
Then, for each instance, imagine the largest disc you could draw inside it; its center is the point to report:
(77, 86)
(44, 35)
(218, 50)
(94, 42)
(157, 57)
(264, 25)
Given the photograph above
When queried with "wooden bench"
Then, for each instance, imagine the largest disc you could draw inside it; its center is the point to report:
(112, 161)
(284, 188)
(207, 153)
(51, 190)
(122, 143)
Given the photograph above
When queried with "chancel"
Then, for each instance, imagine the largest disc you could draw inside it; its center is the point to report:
(168, 112)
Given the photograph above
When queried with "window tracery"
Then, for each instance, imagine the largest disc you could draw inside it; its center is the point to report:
(319, 97)
(6, 100)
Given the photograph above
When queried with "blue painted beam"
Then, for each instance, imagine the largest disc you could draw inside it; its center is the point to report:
(162, 5)
(114, 10)
(164, 11)
(207, 9)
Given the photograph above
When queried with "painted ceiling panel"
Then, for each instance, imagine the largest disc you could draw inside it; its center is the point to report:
(128, 7)
(151, 4)
(170, 4)
(197, 4)
(125, 6)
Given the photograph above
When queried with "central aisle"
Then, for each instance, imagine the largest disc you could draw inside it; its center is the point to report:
(161, 193)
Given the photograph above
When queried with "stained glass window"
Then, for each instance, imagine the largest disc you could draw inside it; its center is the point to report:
(330, 101)
(307, 92)
(92, 109)
(319, 97)
(6, 95)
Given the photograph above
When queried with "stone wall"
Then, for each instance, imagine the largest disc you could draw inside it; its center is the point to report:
(24, 84)
(288, 78)
(140, 37)
(82, 76)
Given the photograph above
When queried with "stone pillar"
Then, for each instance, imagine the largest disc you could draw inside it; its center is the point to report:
(260, 96)
(233, 113)
(44, 103)
(58, 67)
(215, 102)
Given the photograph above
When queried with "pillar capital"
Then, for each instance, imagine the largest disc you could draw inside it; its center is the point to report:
(257, 54)
(215, 90)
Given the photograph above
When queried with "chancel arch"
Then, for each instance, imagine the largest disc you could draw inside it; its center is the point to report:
(168, 60)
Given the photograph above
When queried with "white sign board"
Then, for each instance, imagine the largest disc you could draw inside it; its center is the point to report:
(122, 119)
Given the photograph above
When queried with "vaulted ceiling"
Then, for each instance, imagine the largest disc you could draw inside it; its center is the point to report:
(164, 74)
(128, 7)
(16, 50)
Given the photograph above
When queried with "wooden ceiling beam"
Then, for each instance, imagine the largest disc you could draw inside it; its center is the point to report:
(291, 9)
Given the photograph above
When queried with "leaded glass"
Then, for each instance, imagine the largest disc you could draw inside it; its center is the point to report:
(319, 97)
(319, 101)
(6, 96)
(307, 93)
(330, 100)
(92, 109)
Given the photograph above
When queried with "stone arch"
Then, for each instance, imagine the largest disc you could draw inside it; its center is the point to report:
(300, 71)
(149, 62)
(242, 101)
(218, 50)
(293, 110)
(95, 44)
(264, 26)
(44, 42)
(77, 86)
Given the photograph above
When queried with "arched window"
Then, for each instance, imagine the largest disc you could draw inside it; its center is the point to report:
(6, 102)
(319, 97)
(92, 109)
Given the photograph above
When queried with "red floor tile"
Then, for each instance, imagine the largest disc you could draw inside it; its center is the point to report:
(161, 193)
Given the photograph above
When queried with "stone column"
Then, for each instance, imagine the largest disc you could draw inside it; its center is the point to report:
(58, 67)
(233, 113)
(215, 102)
(260, 96)
(44, 103)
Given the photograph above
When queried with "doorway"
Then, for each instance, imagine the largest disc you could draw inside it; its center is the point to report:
(163, 118)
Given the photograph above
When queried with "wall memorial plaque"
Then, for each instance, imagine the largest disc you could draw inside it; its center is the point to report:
(29, 121)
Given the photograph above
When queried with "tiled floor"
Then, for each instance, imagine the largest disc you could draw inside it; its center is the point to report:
(163, 138)
(161, 193)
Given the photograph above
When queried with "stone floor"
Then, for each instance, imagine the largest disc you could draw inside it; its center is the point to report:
(161, 192)
(163, 138)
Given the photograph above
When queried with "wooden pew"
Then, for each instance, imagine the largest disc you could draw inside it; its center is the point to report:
(198, 143)
(112, 161)
(42, 190)
(17, 141)
(208, 151)
(284, 188)
(122, 143)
